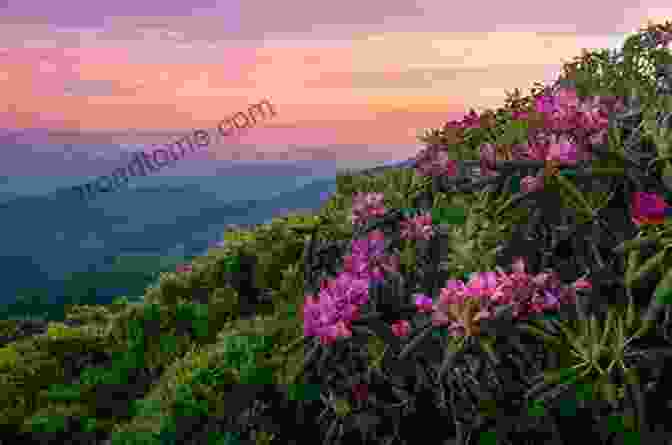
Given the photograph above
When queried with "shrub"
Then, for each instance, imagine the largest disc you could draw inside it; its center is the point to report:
(8, 357)
(59, 331)
(87, 313)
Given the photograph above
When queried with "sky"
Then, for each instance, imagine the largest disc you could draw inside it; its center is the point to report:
(349, 79)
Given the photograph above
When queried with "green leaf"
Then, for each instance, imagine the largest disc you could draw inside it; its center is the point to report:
(607, 327)
(62, 392)
(536, 409)
(636, 243)
(553, 376)
(645, 269)
(538, 332)
(577, 197)
(572, 336)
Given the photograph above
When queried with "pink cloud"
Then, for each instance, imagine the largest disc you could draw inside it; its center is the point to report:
(377, 76)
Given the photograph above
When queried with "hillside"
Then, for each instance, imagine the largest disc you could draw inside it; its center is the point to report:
(519, 306)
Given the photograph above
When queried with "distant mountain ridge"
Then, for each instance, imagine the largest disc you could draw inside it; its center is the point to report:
(80, 242)
(409, 163)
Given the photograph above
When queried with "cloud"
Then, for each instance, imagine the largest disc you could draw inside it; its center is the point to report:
(96, 87)
(418, 78)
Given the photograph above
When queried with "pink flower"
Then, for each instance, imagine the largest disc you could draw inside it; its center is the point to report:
(423, 303)
(546, 279)
(328, 335)
(598, 138)
(365, 206)
(520, 115)
(518, 265)
(471, 120)
(647, 208)
(328, 315)
(400, 328)
(546, 104)
(417, 228)
(488, 159)
(374, 199)
(562, 149)
(376, 235)
(356, 265)
(531, 184)
(441, 318)
(384, 263)
(452, 292)
(341, 329)
(481, 284)
(443, 165)
(566, 97)
(434, 161)
(311, 316)
(663, 37)
(184, 268)
(582, 284)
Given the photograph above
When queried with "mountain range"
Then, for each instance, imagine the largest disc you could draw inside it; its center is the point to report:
(57, 249)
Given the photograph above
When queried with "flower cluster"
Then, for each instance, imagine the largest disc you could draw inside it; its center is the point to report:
(417, 228)
(461, 306)
(661, 33)
(337, 304)
(366, 205)
(570, 128)
(367, 260)
(562, 130)
(663, 37)
(434, 161)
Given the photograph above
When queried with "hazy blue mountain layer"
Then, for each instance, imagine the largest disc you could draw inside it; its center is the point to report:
(58, 249)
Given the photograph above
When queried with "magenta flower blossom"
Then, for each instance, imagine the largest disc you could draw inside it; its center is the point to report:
(488, 159)
(546, 280)
(530, 184)
(367, 259)
(417, 228)
(328, 315)
(329, 334)
(647, 208)
(481, 284)
(582, 283)
(423, 303)
(434, 161)
(562, 149)
(376, 241)
(400, 328)
(461, 307)
(663, 37)
(547, 104)
(549, 148)
(382, 264)
(365, 206)
(458, 311)
(346, 287)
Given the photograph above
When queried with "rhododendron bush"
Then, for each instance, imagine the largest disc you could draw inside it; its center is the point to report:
(582, 157)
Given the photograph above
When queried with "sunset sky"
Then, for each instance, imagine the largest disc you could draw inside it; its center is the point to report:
(365, 76)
